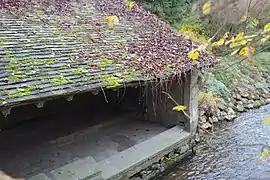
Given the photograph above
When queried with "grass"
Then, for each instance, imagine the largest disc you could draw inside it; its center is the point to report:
(231, 70)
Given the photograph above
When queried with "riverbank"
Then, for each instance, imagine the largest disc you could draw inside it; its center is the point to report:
(227, 94)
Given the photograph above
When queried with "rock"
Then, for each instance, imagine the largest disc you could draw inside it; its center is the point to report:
(249, 106)
(240, 108)
(239, 103)
(238, 97)
(203, 119)
(214, 119)
(221, 106)
(223, 113)
(201, 113)
(206, 125)
(251, 101)
(197, 138)
(210, 120)
(251, 97)
(230, 117)
(230, 111)
(243, 92)
(231, 105)
(244, 100)
(221, 118)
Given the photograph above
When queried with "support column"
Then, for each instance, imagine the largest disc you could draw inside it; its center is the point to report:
(191, 100)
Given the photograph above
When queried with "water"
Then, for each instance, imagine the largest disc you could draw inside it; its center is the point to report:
(232, 152)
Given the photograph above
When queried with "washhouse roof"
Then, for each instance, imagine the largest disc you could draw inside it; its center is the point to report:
(49, 50)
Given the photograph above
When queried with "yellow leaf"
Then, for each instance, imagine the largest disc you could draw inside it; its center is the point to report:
(233, 43)
(266, 121)
(219, 42)
(206, 8)
(266, 27)
(112, 20)
(255, 22)
(238, 40)
(179, 108)
(265, 153)
(243, 18)
(39, 11)
(240, 36)
(193, 55)
(265, 39)
(129, 4)
(244, 50)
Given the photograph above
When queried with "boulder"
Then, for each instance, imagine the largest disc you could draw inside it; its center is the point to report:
(249, 106)
(230, 117)
(222, 106)
(244, 100)
(243, 92)
(240, 108)
(206, 125)
(230, 111)
(214, 119)
(203, 119)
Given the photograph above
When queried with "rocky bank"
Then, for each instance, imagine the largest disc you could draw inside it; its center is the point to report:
(214, 109)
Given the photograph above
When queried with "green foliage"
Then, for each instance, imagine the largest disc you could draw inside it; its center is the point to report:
(170, 11)
(232, 70)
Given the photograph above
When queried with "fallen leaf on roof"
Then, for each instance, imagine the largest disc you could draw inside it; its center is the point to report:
(112, 20)
(129, 4)
(193, 55)
(39, 11)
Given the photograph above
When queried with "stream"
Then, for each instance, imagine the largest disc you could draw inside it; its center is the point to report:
(232, 152)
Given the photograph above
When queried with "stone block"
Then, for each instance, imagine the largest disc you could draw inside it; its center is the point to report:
(83, 169)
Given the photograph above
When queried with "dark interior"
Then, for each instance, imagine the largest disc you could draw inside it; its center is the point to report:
(35, 139)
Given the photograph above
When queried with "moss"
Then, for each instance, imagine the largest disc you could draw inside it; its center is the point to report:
(20, 92)
(16, 77)
(79, 71)
(124, 55)
(50, 61)
(59, 81)
(104, 63)
(168, 162)
(258, 104)
(110, 81)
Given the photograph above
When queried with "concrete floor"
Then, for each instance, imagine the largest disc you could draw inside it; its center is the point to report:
(43, 145)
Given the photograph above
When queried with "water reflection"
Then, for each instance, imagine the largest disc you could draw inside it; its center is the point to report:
(232, 153)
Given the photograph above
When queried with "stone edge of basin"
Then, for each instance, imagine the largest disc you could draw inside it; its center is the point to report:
(125, 164)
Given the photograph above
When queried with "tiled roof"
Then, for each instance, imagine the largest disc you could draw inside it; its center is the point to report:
(41, 60)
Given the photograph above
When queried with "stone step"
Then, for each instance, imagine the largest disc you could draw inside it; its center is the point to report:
(131, 161)
(78, 170)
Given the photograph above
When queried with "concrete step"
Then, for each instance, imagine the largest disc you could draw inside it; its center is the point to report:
(131, 161)
(78, 170)
(124, 164)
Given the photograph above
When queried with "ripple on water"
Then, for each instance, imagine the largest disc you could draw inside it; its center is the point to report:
(232, 153)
